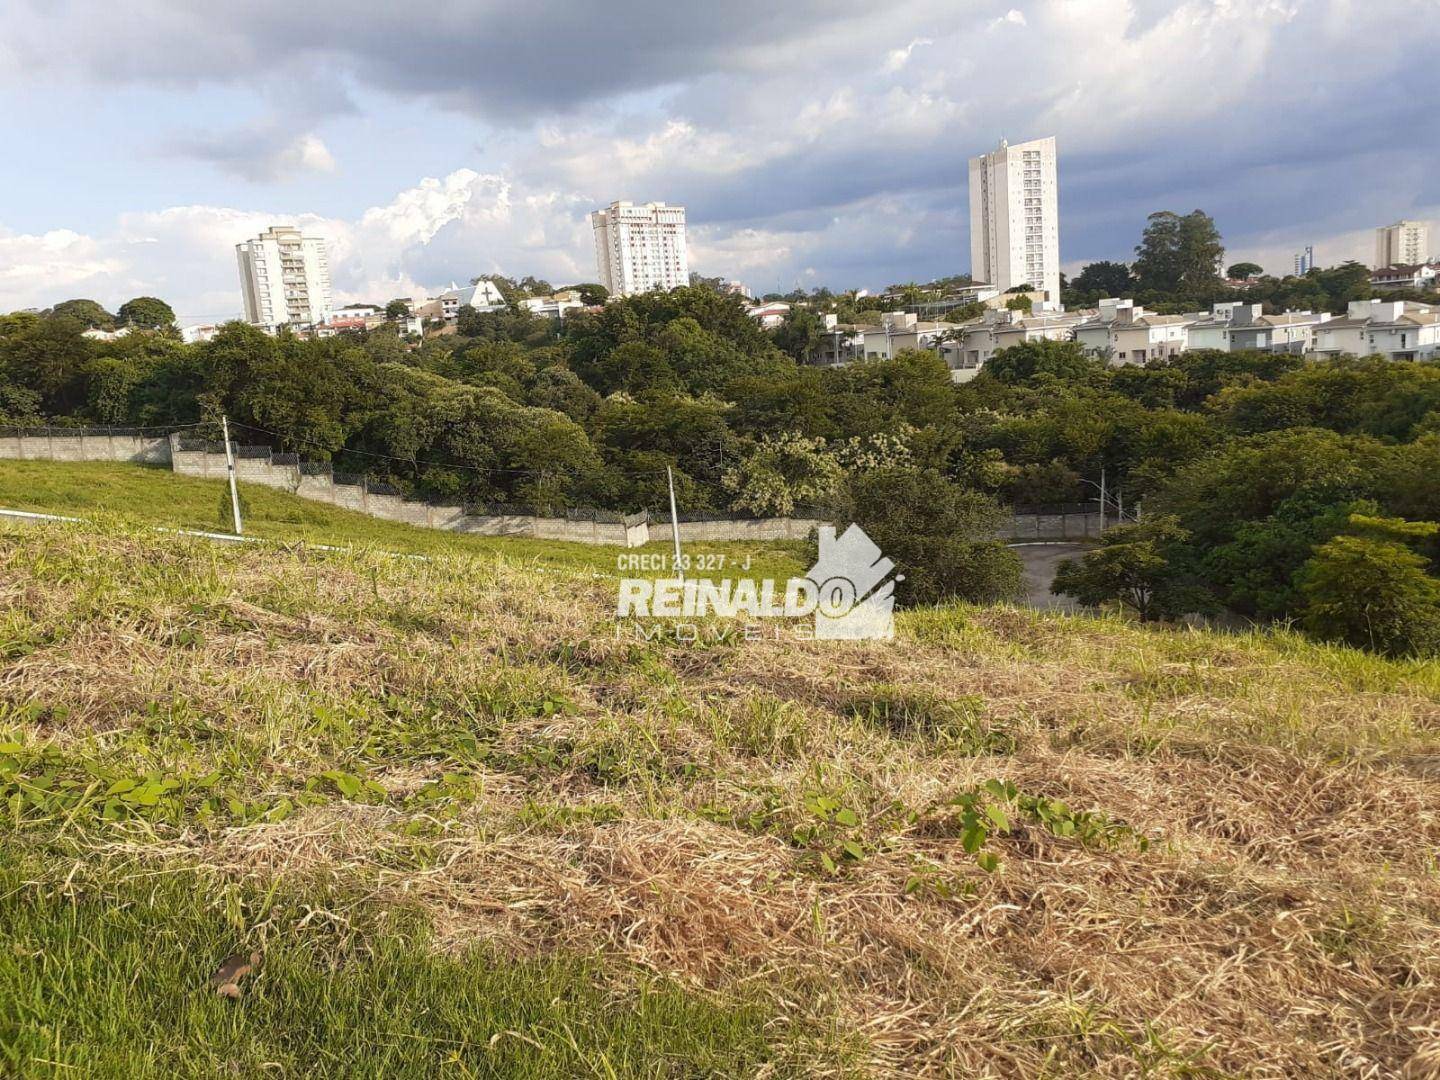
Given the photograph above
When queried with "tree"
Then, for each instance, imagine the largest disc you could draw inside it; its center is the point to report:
(1134, 566)
(86, 312)
(398, 309)
(782, 473)
(1180, 254)
(592, 294)
(1020, 303)
(799, 335)
(940, 535)
(1368, 588)
(965, 312)
(147, 313)
(1244, 271)
(1103, 279)
(1025, 362)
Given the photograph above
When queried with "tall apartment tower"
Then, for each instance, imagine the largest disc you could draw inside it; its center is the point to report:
(1406, 243)
(639, 248)
(1015, 217)
(285, 277)
(1304, 261)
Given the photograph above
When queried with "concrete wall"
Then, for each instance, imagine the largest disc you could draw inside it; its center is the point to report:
(745, 529)
(322, 488)
(147, 449)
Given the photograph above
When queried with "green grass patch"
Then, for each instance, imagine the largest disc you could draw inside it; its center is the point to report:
(104, 976)
(154, 495)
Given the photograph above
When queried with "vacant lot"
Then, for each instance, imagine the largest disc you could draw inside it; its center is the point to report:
(468, 828)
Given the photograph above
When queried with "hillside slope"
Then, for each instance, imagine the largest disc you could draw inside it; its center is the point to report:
(156, 496)
(467, 824)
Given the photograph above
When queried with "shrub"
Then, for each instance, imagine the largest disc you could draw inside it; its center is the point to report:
(1368, 588)
(940, 536)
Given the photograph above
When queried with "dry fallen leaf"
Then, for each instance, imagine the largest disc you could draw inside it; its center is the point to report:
(226, 981)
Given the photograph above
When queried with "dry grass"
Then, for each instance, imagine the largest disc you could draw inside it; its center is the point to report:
(637, 799)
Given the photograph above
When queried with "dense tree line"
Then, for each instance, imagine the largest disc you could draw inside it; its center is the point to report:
(1249, 466)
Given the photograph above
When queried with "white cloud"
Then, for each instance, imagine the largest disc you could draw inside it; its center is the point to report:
(1013, 17)
(61, 258)
(439, 230)
(310, 153)
(896, 59)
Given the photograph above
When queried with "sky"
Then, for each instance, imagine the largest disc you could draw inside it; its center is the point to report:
(813, 142)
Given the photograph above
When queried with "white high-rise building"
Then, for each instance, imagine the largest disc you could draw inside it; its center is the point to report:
(639, 248)
(1015, 217)
(1406, 243)
(285, 277)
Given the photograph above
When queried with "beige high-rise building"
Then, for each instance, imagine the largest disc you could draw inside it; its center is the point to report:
(284, 277)
(1015, 217)
(639, 248)
(1406, 243)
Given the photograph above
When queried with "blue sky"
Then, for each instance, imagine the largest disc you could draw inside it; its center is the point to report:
(813, 142)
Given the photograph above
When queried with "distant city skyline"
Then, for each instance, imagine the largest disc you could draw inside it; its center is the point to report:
(811, 143)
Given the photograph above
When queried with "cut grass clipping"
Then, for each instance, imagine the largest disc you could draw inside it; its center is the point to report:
(444, 802)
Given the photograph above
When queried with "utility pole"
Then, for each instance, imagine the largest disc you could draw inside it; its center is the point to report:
(1102, 498)
(674, 522)
(230, 468)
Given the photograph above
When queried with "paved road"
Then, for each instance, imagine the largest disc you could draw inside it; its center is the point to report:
(1040, 561)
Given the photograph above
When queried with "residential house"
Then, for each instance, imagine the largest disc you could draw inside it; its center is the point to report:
(1417, 276)
(770, 314)
(555, 307)
(901, 330)
(1148, 338)
(1124, 333)
(973, 343)
(1290, 332)
(839, 343)
(190, 335)
(108, 335)
(1410, 335)
(1211, 331)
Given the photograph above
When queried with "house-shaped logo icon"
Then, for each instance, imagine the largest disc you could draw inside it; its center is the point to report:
(855, 600)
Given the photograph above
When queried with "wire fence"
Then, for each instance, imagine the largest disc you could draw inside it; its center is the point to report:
(82, 431)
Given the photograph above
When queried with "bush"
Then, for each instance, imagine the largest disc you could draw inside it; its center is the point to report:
(940, 536)
(1367, 588)
(1135, 566)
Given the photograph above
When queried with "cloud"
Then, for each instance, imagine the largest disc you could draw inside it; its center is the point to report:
(507, 64)
(261, 154)
(60, 258)
(771, 123)
(896, 59)
(439, 230)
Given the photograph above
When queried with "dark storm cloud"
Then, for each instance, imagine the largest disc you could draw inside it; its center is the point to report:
(503, 61)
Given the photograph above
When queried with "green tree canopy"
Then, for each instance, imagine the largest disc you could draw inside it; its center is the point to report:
(86, 312)
(146, 312)
(940, 535)
(1103, 279)
(1180, 254)
(1367, 587)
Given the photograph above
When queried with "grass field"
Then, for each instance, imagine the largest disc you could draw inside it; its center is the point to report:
(156, 496)
(471, 829)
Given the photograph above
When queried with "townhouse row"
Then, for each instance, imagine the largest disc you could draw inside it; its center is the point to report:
(1125, 333)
